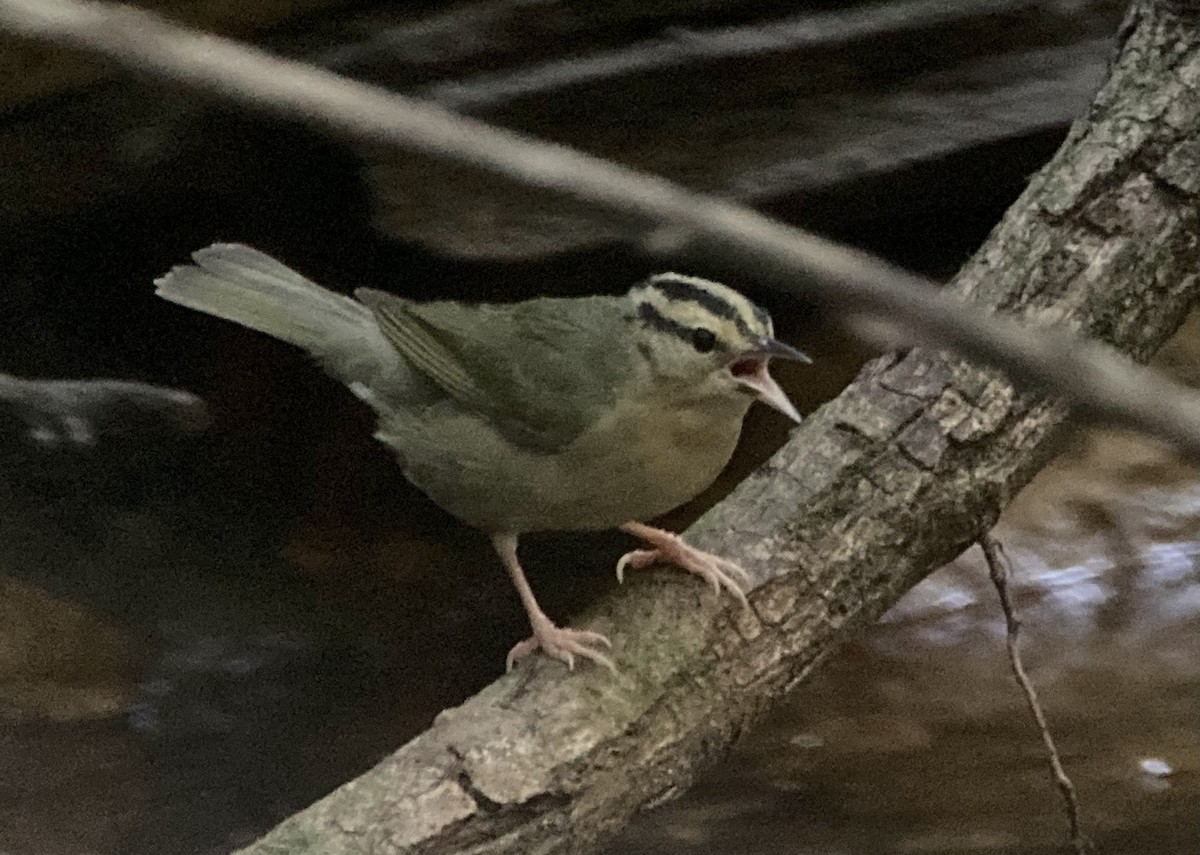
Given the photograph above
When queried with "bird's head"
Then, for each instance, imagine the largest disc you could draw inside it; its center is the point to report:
(706, 338)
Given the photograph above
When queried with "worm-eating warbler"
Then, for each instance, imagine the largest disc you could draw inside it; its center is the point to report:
(547, 414)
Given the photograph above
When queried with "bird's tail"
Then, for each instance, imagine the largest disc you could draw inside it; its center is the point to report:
(248, 287)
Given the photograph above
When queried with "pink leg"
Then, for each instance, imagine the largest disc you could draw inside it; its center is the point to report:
(560, 642)
(668, 548)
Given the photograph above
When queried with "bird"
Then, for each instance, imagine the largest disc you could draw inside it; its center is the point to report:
(547, 414)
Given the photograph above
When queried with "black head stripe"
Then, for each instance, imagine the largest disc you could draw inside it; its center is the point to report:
(683, 291)
(655, 319)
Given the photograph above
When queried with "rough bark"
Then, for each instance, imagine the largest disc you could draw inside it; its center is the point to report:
(896, 476)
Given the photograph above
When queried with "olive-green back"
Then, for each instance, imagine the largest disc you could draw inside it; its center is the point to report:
(541, 371)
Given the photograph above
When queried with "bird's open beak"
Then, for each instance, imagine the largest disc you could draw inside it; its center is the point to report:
(751, 370)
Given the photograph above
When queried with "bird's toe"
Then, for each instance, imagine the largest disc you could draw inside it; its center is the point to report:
(636, 560)
(519, 651)
(564, 644)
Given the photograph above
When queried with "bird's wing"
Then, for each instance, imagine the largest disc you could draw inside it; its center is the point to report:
(418, 341)
(542, 371)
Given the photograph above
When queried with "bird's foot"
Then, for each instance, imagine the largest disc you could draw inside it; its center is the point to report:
(668, 548)
(561, 643)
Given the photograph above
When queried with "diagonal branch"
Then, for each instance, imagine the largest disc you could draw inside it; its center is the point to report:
(667, 217)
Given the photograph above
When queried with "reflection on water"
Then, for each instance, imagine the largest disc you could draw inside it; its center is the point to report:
(253, 669)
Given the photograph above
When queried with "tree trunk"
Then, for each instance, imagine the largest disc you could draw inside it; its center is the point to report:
(893, 478)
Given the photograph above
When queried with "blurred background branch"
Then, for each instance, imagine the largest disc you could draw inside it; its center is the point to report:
(668, 218)
(81, 412)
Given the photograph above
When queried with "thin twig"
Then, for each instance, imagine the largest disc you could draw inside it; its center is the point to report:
(664, 215)
(998, 569)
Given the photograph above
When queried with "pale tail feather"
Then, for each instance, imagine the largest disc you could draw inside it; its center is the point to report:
(250, 288)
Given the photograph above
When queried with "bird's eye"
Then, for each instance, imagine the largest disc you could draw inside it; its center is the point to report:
(703, 340)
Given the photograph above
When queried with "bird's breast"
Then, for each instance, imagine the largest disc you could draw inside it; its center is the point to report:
(635, 462)
(644, 459)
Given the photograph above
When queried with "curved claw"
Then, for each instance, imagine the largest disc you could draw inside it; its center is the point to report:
(723, 579)
(636, 559)
(518, 652)
(734, 569)
(621, 562)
